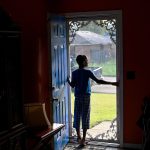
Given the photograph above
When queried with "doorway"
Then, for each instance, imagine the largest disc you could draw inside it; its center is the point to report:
(98, 36)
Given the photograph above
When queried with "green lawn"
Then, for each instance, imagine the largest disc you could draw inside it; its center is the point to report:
(103, 107)
(108, 68)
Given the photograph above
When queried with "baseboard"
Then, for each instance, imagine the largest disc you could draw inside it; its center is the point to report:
(133, 146)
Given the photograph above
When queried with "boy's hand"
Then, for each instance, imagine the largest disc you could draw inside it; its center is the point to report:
(68, 79)
(115, 83)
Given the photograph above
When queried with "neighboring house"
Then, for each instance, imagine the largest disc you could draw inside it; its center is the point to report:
(96, 47)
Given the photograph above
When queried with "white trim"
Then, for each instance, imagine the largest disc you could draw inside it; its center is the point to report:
(119, 49)
(69, 89)
(119, 46)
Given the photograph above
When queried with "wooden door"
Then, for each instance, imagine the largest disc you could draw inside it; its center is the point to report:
(12, 130)
(59, 76)
(11, 104)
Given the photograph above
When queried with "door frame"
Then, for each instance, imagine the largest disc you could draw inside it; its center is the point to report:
(119, 60)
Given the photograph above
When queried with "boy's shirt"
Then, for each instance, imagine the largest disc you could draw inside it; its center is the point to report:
(81, 81)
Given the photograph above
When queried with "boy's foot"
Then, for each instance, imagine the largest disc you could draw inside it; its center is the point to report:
(83, 143)
(80, 146)
(78, 139)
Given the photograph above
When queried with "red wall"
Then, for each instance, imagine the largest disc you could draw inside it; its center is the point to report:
(31, 16)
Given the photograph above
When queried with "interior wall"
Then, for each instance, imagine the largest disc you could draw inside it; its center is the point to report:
(31, 16)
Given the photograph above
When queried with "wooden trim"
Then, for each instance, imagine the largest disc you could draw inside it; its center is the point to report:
(42, 137)
(132, 146)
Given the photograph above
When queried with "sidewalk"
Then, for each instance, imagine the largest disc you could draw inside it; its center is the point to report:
(106, 130)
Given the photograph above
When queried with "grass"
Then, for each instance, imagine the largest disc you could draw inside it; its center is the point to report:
(108, 68)
(103, 107)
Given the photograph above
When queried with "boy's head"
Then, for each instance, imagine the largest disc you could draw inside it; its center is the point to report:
(82, 61)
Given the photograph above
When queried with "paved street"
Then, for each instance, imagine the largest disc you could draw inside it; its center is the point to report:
(104, 88)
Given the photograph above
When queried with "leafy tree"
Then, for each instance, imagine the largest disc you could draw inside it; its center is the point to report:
(94, 28)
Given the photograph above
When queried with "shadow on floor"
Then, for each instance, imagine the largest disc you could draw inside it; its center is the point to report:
(92, 145)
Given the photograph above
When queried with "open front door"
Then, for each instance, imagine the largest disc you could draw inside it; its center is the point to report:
(59, 76)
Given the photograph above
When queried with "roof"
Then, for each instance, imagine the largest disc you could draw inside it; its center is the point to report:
(90, 38)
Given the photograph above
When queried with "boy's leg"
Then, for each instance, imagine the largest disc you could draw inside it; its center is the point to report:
(78, 135)
(77, 114)
(85, 118)
(84, 134)
(84, 137)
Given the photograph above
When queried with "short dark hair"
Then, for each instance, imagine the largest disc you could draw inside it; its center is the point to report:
(80, 59)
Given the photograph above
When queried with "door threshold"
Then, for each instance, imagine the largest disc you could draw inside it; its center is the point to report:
(106, 144)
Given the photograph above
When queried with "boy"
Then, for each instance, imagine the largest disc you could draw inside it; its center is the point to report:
(80, 81)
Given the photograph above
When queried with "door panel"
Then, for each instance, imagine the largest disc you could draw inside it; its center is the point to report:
(59, 76)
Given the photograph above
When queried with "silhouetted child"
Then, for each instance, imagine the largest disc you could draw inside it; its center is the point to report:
(81, 82)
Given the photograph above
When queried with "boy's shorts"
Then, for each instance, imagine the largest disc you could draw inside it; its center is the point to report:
(82, 111)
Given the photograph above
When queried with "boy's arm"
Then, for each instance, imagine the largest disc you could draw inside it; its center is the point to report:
(115, 83)
(107, 82)
(99, 81)
(71, 83)
(68, 81)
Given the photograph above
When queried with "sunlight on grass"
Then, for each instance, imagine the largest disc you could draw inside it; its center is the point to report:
(109, 67)
(103, 107)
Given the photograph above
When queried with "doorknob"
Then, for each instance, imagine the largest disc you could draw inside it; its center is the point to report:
(53, 88)
(55, 99)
